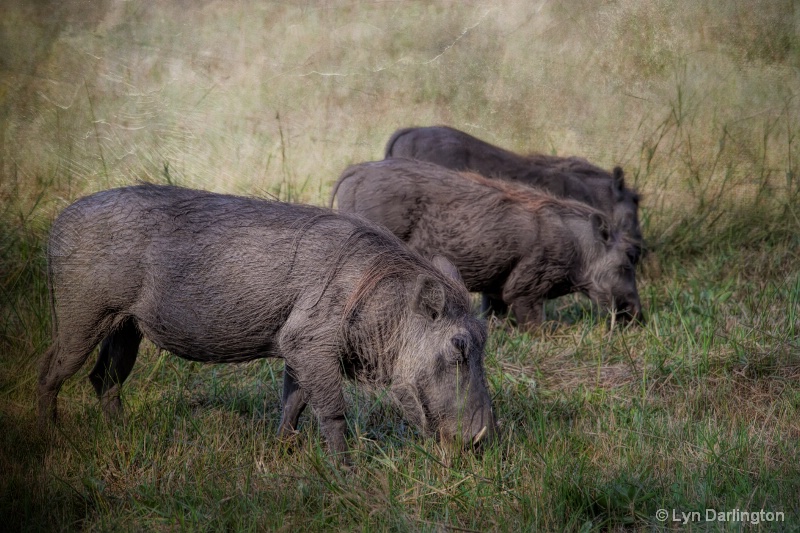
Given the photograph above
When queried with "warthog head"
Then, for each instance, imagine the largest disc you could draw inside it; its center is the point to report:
(610, 277)
(626, 215)
(439, 380)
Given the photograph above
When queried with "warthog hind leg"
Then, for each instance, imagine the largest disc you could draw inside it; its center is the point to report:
(114, 365)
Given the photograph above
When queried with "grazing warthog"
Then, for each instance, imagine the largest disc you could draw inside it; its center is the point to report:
(224, 279)
(565, 177)
(516, 245)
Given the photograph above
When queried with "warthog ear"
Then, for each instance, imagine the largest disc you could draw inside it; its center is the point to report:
(428, 298)
(600, 227)
(619, 178)
(446, 267)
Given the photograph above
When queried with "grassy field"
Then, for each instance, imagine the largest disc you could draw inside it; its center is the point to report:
(698, 409)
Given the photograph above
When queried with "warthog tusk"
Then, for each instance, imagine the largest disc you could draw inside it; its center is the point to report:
(477, 438)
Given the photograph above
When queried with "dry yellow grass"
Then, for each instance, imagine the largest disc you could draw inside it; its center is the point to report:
(263, 98)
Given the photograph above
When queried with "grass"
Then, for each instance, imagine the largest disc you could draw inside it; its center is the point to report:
(600, 429)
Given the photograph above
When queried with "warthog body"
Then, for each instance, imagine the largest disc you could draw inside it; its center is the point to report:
(222, 279)
(516, 245)
(565, 177)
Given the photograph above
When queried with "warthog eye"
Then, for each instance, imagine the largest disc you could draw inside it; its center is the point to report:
(461, 345)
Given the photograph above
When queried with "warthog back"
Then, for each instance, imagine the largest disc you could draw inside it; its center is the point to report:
(566, 177)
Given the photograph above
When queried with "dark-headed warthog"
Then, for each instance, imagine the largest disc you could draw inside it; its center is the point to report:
(566, 177)
(223, 279)
(513, 243)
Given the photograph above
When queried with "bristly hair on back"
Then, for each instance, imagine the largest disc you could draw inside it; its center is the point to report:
(392, 261)
(533, 197)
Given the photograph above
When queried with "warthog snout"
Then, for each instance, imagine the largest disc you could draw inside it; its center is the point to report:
(630, 311)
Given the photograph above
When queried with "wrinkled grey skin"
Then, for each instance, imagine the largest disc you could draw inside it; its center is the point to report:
(565, 177)
(516, 245)
(224, 279)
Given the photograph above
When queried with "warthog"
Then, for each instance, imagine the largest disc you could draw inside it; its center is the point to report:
(516, 245)
(566, 177)
(224, 279)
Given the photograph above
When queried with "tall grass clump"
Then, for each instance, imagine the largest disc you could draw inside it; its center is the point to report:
(600, 427)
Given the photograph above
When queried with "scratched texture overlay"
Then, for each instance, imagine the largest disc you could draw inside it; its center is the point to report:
(600, 427)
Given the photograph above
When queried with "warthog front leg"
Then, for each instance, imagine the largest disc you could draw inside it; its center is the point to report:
(524, 293)
(315, 377)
